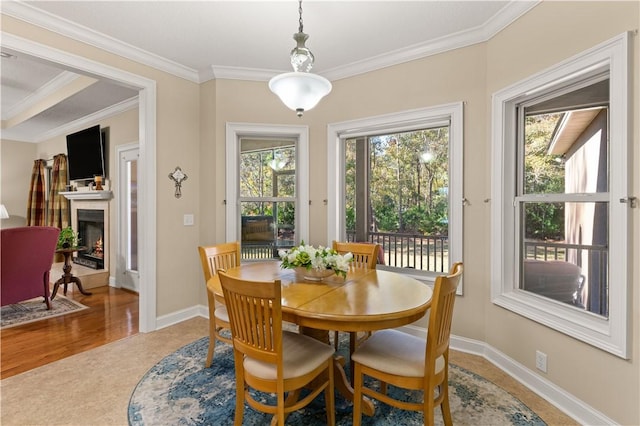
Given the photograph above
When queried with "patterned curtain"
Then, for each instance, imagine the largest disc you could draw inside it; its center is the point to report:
(36, 202)
(58, 207)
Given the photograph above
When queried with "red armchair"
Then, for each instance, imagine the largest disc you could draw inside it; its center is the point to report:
(26, 256)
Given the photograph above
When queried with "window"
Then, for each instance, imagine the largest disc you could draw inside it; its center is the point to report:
(267, 196)
(400, 183)
(266, 188)
(559, 230)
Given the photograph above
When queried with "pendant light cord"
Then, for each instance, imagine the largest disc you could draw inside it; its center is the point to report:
(300, 27)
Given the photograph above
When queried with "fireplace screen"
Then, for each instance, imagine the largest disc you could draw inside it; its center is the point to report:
(91, 235)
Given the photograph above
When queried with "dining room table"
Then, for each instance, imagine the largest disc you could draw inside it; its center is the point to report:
(365, 300)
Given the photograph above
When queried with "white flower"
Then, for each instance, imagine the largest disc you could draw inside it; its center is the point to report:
(318, 258)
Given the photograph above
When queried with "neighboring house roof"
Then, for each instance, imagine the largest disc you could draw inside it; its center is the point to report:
(569, 128)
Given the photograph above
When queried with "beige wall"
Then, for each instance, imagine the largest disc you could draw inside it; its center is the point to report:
(548, 34)
(16, 164)
(191, 133)
(177, 142)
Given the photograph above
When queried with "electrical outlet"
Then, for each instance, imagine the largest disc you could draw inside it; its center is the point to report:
(188, 220)
(541, 361)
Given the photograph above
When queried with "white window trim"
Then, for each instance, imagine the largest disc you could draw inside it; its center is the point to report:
(611, 335)
(234, 131)
(397, 122)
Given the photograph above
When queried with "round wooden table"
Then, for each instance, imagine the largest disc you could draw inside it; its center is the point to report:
(367, 300)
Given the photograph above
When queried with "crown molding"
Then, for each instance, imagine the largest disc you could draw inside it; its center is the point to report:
(86, 35)
(501, 20)
(239, 73)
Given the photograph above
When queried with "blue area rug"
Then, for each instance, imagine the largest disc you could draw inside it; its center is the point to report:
(179, 390)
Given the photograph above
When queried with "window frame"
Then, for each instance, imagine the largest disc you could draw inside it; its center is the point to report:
(612, 334)
(399, 122)
(236, 131)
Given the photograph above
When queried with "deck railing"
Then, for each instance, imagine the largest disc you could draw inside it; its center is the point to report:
(421, 252)
(592, 259)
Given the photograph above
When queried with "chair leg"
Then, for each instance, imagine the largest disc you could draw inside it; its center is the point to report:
(335, 340)
(353, 339)
(444, 406)
(357, 394)
(239, 415)
(212, 347)
(212, 329)
(329, 396)
(280, 409)
(428, 407)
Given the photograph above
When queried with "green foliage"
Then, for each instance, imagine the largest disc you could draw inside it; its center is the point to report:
(67, 238)
(350, 218)
(286, 214)
(406, 193)
(386, 215)
(543, 174)
(544, 221)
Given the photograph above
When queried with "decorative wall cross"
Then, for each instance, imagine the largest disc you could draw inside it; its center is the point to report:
(178, 177)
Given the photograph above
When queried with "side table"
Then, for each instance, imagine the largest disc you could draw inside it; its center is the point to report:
(68, 277)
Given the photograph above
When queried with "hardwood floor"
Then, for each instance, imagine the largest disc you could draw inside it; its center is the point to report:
(112, 315)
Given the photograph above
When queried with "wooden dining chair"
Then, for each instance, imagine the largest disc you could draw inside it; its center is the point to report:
(270, 360)
(213, 259)
(365, 255)
(409, 362)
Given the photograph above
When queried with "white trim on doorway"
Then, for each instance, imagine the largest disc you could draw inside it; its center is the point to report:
(147, 163)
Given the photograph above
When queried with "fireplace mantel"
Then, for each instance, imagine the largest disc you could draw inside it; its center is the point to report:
(87, 195)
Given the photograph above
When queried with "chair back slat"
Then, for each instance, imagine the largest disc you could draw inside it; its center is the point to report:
(219, 257)
(441, 316)
(365, 255)
(255, 313)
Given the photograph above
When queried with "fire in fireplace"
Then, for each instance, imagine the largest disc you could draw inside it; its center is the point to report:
(91, 235)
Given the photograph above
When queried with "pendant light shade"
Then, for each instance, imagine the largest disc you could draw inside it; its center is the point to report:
(300, 90)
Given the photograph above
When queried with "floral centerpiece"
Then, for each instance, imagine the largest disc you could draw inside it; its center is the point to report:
(318, 262)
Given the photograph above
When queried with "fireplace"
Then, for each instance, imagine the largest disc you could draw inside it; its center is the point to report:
(94, 232)
(90, 225)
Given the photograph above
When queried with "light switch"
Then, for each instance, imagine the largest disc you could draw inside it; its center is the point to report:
(188, 219)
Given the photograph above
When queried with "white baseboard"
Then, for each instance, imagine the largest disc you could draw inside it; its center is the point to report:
(182, 315)
(563, 400)
(558, 397)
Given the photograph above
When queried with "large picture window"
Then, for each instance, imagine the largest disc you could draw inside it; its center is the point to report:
(397, 196)
(559, 220)
(399, 184)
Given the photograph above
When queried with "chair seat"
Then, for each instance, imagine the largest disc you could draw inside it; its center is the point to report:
(301, 355)
(396, 353)
(221, 313)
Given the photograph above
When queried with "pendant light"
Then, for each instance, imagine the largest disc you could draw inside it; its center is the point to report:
(300, 90)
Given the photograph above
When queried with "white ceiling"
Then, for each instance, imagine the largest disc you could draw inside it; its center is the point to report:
(203, 40)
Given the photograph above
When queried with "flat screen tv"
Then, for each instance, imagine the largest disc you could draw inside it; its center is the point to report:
(86, 154)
